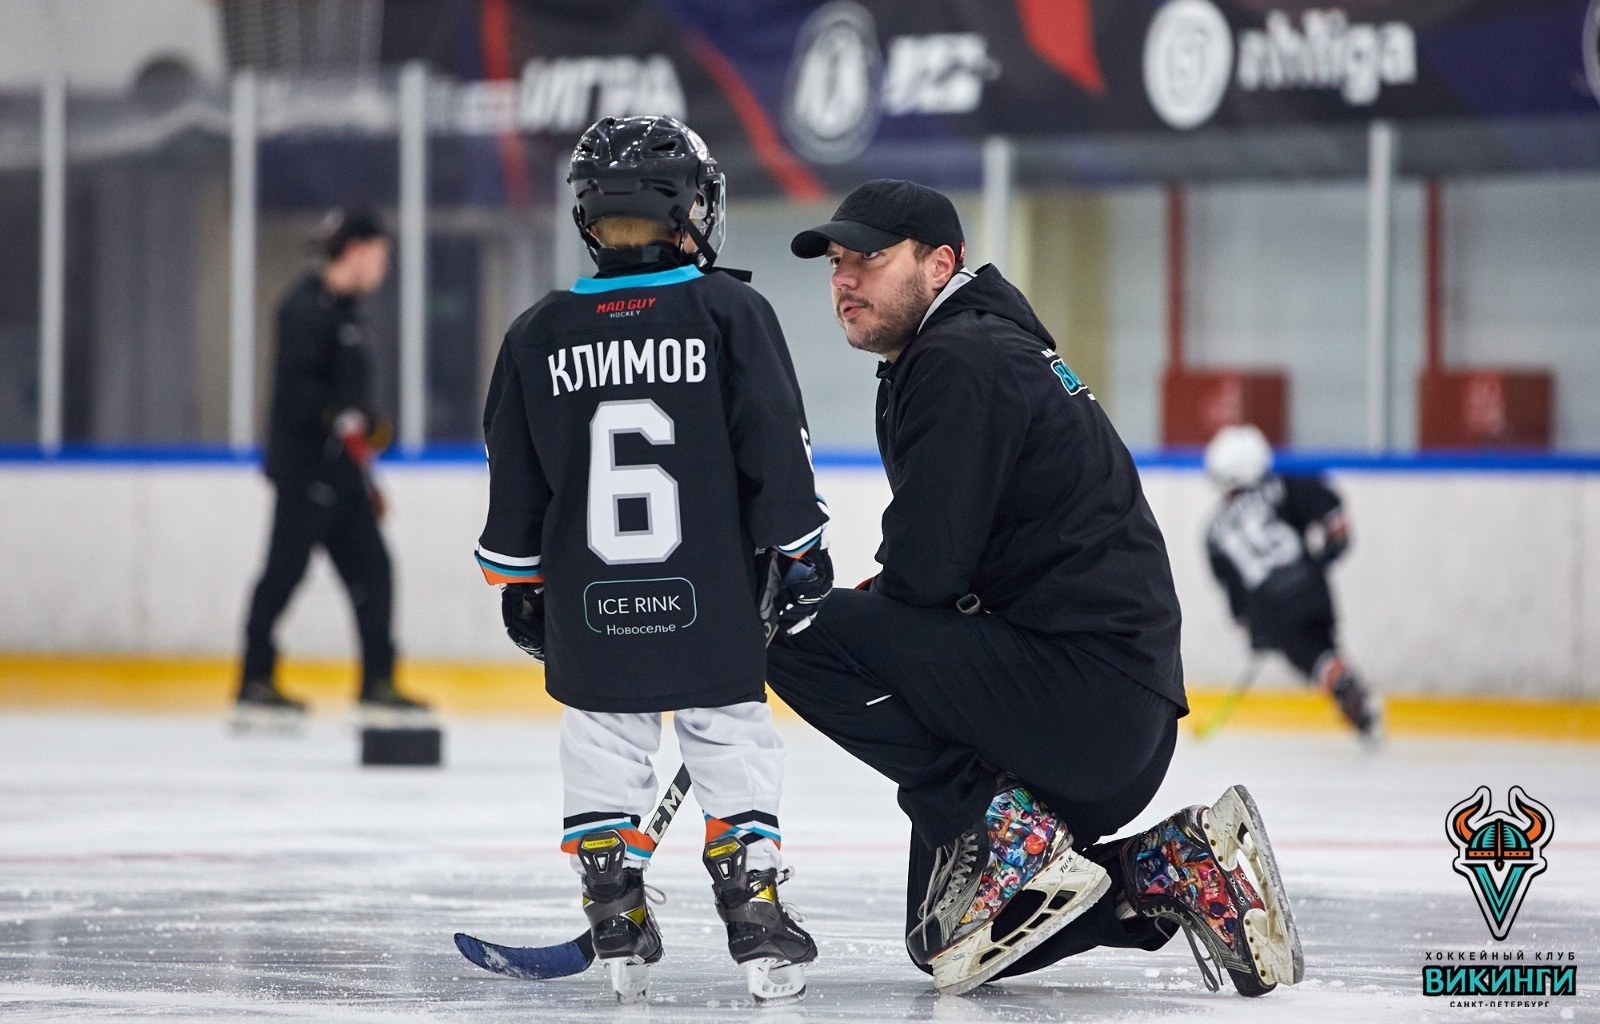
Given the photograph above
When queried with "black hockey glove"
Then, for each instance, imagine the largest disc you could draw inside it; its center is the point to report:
(1335, 540)
(522, 610)
(793, 589)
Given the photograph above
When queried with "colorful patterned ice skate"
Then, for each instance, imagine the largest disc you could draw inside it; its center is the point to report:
(999, 890)
(1196, 868)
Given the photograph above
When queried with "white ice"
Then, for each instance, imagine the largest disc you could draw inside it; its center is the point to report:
(158, 868)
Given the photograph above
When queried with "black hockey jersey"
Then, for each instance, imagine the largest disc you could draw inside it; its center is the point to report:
(1258, 547)
(645, 439)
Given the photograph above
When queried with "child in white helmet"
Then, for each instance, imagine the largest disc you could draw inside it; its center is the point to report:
(1270, 545)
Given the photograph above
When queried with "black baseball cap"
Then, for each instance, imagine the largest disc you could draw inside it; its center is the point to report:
(881, 213)
(345, 225)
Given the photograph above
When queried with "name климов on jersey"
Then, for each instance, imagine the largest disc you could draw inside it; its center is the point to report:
(597, 364)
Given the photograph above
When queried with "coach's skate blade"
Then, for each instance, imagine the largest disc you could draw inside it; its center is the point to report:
(630, 978)
(1233, 828)
(772, 981)
(418, 747)
(1063, 889)
(246, 719)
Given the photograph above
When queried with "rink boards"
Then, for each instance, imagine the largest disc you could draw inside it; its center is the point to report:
(516, 690)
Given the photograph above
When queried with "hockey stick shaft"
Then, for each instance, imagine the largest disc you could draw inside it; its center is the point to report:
(1225, 708)
(537, 963)
(667, 808)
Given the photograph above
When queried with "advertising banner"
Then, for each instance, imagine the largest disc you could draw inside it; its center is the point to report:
(807, 89)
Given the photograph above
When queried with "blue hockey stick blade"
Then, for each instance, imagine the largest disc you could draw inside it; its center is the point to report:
(529, 963)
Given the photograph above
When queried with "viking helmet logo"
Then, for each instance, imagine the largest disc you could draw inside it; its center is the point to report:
(1499, 853)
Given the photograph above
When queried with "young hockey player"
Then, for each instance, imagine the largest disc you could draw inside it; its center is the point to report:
(1270, 545)
(651, 503)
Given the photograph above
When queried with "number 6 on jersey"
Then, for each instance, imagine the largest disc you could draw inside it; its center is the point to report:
(610, 483)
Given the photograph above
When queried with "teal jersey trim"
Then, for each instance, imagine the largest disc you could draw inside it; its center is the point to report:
(595, 285)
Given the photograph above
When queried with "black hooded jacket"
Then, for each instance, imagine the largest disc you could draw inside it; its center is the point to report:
(322, 367)
(1010, 484)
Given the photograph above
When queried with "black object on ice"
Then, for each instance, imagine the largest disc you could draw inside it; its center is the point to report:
(408, 746)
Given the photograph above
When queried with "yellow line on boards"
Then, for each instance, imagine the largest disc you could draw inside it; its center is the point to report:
(516, 688)
(208, 684)
(1411, 714)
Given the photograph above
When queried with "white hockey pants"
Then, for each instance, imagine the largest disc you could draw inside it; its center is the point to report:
(735, 759)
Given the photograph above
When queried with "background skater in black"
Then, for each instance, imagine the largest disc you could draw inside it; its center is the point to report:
(319, 453)
(650, 492)
(1014, 665)
(1270, 545)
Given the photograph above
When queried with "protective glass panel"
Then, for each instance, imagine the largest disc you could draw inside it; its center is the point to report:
(19, 267)
(146, 265)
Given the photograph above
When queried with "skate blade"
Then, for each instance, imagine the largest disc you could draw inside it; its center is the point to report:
(773, 981)
(630, 978)
(1233, 827)
(1070, 884)
(259, 721)
(366, 717)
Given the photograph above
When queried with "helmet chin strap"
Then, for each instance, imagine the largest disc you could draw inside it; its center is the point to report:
(704, 254)
(590, 242)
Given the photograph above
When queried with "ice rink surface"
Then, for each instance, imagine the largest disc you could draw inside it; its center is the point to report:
(158, 868)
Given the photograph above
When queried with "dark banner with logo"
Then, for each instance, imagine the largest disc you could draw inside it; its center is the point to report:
(813, 93)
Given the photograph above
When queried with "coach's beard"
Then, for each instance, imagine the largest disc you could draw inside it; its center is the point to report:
(896, 318)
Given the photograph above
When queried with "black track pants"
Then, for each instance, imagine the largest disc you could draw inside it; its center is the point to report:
(338, 515)
(932, 698)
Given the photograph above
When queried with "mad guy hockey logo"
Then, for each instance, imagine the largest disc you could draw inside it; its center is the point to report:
(1499, 853)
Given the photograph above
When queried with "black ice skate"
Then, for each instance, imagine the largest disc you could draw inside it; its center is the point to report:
(621, 926)
(384, 707)
(762, 936)
(262, 707)
(1211, 870)
(1359, 705)
(1000, 889)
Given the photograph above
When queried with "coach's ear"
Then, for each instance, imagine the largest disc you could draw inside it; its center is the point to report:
(941, 264)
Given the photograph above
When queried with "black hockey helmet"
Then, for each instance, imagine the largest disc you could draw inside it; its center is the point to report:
(650, 166)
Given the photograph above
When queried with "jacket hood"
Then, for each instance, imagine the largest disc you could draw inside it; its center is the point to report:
(989, 292)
